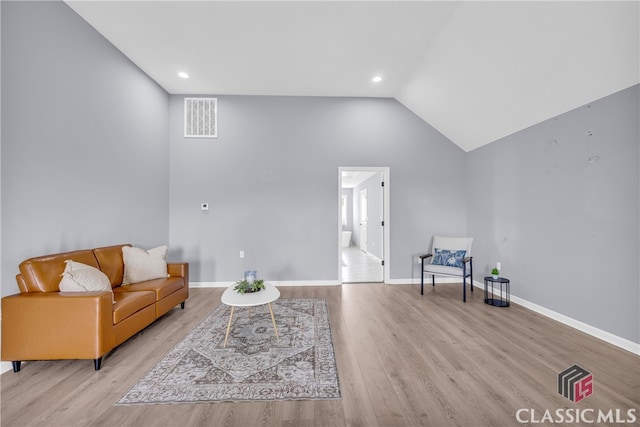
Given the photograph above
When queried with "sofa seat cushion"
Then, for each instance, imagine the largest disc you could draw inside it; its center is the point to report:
(128, 303)
(161, 287)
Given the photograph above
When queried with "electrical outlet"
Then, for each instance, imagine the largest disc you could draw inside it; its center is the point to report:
(241, 254)
(204, 206)
(498, 265)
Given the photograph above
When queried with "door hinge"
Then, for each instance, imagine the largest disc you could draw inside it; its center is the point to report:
(382, 223)
(383, 263)
(382, 184)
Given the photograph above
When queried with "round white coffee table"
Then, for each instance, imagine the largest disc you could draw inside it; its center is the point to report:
(234, 299)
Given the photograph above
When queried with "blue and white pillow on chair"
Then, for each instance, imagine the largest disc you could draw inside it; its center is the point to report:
(448, 258)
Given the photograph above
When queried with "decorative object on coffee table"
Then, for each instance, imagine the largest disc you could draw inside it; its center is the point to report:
(244, 287)
(250, 275)
(243, 299)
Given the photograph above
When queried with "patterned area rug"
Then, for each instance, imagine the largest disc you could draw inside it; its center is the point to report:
(254, 365)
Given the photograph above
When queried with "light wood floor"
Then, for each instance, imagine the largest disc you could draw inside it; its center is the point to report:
(403, 359)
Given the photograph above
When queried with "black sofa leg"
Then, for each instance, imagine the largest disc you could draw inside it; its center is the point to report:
(182, 305)
(16, 365)
(97, 363)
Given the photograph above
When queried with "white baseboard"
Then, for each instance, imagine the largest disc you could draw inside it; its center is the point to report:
(307, 283)
(275, 283)
(427, 281)
(4, 366)
(210, 284)
(608, 337)
(623, 343)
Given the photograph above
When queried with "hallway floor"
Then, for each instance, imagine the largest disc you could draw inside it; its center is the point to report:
(358, 266)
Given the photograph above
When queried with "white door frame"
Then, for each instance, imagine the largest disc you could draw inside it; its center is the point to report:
(386, 254)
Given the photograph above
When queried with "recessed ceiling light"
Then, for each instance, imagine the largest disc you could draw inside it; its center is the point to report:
(376, 79)
(183, 75)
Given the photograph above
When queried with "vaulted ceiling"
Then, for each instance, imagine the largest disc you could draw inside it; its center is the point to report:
(476, 71)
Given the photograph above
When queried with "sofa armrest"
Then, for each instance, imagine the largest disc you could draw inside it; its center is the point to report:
(53, 325)
(179, 269)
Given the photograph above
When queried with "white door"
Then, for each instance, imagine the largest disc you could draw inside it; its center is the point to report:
(363, 220)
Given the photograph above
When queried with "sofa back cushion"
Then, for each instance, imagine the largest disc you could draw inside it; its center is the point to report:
(43, 274)
(111, 263)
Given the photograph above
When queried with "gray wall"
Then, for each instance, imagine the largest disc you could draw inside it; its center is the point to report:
(271, 178)
(85, 152)
(92, 154)
(558, 205)
(1, 276)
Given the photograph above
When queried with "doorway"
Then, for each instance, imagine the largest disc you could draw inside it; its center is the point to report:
(363, 232)
(363, 209)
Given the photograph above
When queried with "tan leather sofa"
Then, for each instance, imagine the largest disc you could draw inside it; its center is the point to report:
(42, 323)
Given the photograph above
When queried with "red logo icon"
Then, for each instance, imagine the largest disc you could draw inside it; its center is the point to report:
(575, 383)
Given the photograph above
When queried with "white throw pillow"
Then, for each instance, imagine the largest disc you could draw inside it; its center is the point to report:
(79, 277)
(141, 265)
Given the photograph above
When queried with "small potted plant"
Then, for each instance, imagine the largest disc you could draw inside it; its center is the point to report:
(245, 287)
(495, 272)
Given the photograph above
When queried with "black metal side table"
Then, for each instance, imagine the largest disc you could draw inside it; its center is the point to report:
(501, 299)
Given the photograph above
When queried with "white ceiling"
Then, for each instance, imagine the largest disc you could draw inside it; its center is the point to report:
(476, 71)
(351, 179)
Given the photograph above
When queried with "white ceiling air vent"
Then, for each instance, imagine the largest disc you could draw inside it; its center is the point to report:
(201, 117)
